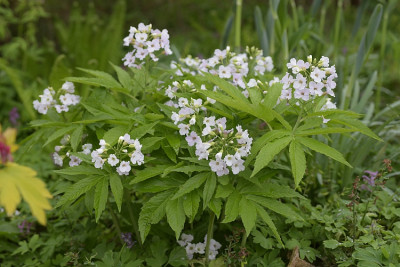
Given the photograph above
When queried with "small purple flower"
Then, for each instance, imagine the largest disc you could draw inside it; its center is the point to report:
(25, 224)
(14, 116)
(127, 238)
(371, 178)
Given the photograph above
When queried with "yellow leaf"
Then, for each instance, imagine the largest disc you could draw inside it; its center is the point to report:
(10, 134)
(17, 180)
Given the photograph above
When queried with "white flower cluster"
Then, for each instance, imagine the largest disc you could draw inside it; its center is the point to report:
(200, 247)
(146, 42)
(307, 80)
(125, 152)
(225, 148)
(227, 65)
(63, 151)
(60, 100)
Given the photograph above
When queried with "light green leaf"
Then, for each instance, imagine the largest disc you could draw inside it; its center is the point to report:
(175, 142)
(191, 205)
(79, 170)
(191, 184)
(268, 152)
(76, 190)
(59, 133)
(112, 135)
(328, 130)
(331, 243)
(100, 197)
(297, 161)
(175, 216)
(124, 78)
(76, 137)
(232, 207)
(248, 213)
(323, 149)
(117, 189)
(223, 191)
(215, 205)
(209, 189)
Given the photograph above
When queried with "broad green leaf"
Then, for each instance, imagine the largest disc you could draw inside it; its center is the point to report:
(175, 142)
(223, 191)
(112, 135)
(76, 137)
(152, 212)
(255, 94)
(175, 216)
(140, 131)
(178, 257)
(59, 133)
(323, 149)
(169, 151)
(191, 184)
(78, 189)
(191, 205)
(276, 206)
(215, 205)
(232, 207)
(209, 189)
(269, 151)
(331, 243)
(267, 219)
(273, 94)
(100, 197)
(17, 180)
(117, 189)
(297, 161)
(248, 213)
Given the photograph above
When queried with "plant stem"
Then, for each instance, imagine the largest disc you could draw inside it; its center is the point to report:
(238, 18)
(134, 222)
(298, 121)
(115, 221)
(209, 235)
(244, 239)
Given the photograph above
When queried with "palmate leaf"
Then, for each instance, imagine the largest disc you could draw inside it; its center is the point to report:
(17, 180)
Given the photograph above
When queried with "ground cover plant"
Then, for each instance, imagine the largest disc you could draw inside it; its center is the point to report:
(282, 155)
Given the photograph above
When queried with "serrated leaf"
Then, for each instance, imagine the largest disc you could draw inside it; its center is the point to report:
(297, 161)
(112, 135)
(124, 78)
(358, 125)
(140, 131)
(215, 205)
(268, 152)
(276, 206)
(59, 133)
(223, 191)
(267, 219)
(76, 137)
(191, 205)
(175, 142)
(117, 189)
(80, 170)
(78, 189)
(17, 180)
(248, 213)
(147, 173)
(100, 197)
(191, 184)
(323, 149)
(327, 130)
(232, 207)
(209, 189)
(175, 216)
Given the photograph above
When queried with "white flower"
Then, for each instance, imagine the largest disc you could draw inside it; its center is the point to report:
(86, 149)
(190, 248)
(57, 159)
(300, 82)
(229, 159)
(317, 75)
(75, 161)
(209, 121)
(224, 72)
(99, 162)
(324, 61)
(237, 165)
(69, 87)
(183, 102)
(102, 142)
(217, 165)
(124, 167)
(192, 139)
(252, 83)
(183, 129)
(202, 150)
(302, 94)
(200, 248)
(113, 160)
(137, 157)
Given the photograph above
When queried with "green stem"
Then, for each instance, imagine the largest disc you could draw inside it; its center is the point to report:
(298, 121)
(244, 239)
(115, 221)
(209, 235)
(134, 222)
(238, 18)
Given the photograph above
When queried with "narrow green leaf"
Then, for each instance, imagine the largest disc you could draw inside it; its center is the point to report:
(215, 205)
(323, 149)
(358, 125)
(261, 32)
(175, 142)
(191, 184)
(209, 189)
(232, 207)
(59, 133)
(100, 197)
(269, 151)
(327, 130)
(147, 173)
(267, 219)
(274, 92)
(80, 170)
(124, 78)
(297, 161)
(248, 213)
(112, 135)
(223, 191)
(276, 206)
(191, 205)
(76, 137)
(117, 189)
(175, 216)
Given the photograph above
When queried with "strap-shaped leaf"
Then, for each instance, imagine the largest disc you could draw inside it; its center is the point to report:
(323, 149)
(269, 151)
(191, 184)
(248, 213)
(358, 125)
(297, 161)
(269, 189)
(265, 217)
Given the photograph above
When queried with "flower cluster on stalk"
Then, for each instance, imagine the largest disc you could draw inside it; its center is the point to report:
(228, 65)
(199, 248)
(224, 148)
(309, 79)
(146, 42)
(60, 100)
(63, 151)
(127, 151)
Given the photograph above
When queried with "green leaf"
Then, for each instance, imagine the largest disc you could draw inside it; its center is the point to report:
(152, 212)
(117, 189)
(178, 257)
(328, 130)
(267, 219)
(175, 216)
(331, 243)
(147, 173)
(191, 184)
(191, 168)
(323, 149)
(175, 142)
(215, 205)
(223, 191)
(209, 189)
(140, 131)
(271, 190)
(100, 197)
(274, 92)
(76, 190)
(261, 32)
(297, 161)
(248, 213)
(80, 170)
(276, 206)
(124, 78)
(59, 133)
(191, 205)
(58, 72)
(76, 137)
(232, 207)
(112, 135)
(268, 152)
(358, 125)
